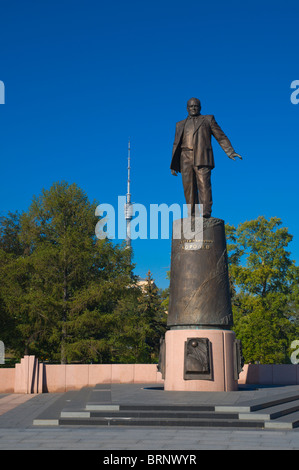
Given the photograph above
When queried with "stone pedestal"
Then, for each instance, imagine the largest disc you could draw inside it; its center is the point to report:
(221, 374)
(199, 283)
(200, 353)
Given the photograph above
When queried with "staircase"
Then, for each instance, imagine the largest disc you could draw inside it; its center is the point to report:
(94, 407)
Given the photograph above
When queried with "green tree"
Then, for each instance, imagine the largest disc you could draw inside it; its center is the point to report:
(151, 308)
(139, 322)
(9, 234)
(10, 249)
(61, 290)
(262, 281)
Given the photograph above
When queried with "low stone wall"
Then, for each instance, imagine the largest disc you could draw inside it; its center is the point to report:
(270, 374)
(29, 376)
(7, 380)
(60, 378)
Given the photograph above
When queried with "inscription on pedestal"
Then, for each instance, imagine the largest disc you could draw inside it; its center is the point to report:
(196, 244)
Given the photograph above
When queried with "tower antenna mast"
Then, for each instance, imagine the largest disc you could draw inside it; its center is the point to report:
(128, 206)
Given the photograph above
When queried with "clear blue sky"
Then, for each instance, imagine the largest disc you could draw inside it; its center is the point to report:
(82, 76)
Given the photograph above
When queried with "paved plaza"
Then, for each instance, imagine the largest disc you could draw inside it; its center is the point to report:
(17, 432)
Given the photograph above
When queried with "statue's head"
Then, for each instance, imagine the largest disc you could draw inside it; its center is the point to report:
(193, 106)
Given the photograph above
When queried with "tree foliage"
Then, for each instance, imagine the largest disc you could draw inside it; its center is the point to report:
(264, 285)
(139, 324)
(65, 295)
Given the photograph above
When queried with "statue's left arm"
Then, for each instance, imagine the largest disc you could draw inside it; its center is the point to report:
(223, 140)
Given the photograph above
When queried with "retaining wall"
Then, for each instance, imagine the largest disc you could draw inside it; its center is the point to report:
(30, 376)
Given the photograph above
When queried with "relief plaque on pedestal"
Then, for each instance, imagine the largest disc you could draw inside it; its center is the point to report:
(198, 361)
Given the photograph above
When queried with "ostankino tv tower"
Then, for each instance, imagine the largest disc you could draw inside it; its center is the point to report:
(128, 205)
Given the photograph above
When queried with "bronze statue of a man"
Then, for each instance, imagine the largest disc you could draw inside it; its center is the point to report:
(193, 157)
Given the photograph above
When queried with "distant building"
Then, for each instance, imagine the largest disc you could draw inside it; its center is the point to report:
(143, 283)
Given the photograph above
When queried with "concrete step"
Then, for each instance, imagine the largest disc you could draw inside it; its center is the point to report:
(150, 414)
(131, 421)
(142, 407)
(291, 421)
(272, 412)
(95, 406)
(260, 403)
